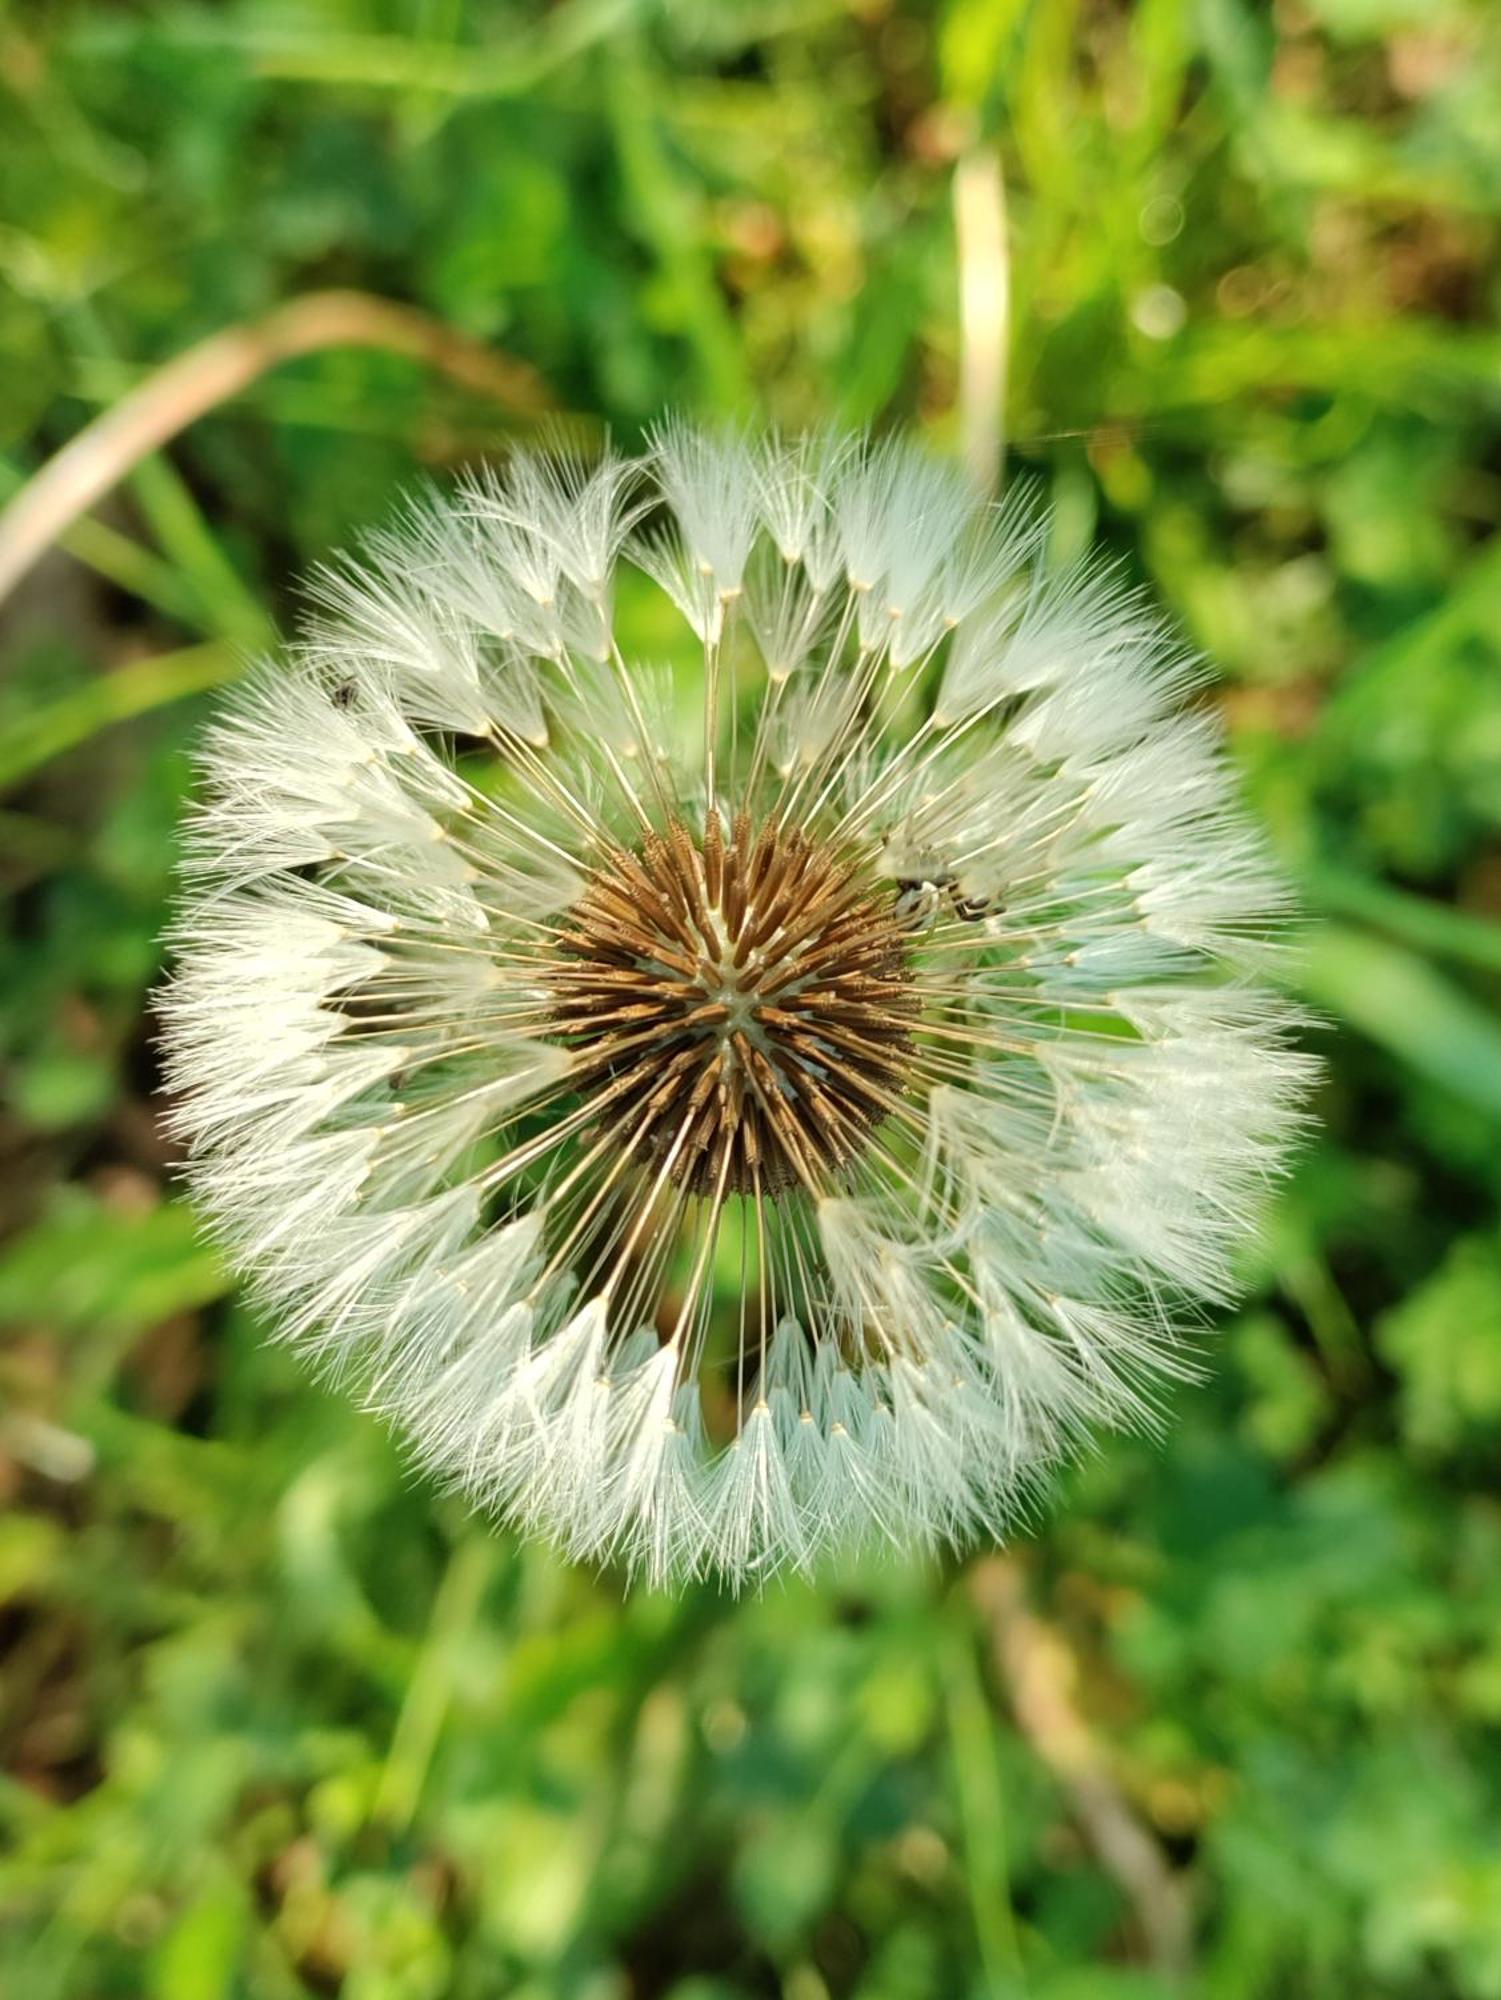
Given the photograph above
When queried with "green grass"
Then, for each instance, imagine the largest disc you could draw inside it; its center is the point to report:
(278, 1721)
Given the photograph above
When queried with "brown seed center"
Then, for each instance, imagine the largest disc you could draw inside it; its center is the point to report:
(742, 1007)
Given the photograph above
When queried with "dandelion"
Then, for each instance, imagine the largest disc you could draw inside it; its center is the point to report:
(716, 1135)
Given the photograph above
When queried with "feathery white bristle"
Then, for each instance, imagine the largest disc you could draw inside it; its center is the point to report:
(1014, 1093)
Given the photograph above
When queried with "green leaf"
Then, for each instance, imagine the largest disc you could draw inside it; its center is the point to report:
(1444, 1341)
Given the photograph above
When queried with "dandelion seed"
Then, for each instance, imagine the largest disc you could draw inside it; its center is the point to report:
(712, 1155)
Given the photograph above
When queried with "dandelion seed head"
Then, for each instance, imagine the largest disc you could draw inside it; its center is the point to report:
(710, 1155)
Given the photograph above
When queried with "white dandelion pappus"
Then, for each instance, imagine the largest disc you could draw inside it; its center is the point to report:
(709, 1152)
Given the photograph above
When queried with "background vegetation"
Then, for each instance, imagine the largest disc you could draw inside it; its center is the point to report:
(279, 1722)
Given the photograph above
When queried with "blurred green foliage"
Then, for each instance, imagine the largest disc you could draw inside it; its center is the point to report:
(278, 1722)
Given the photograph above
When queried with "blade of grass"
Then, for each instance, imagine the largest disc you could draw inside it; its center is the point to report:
(228, 607)
(1428, 926)
(1412, 1011)
(1470, 607)
(1039, 1673)
(430, 1689)
(982, 1814)
(34, 740)
(214, 371)
(120, 560)
(416, 63)
(1391, 361)
(984, 310)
